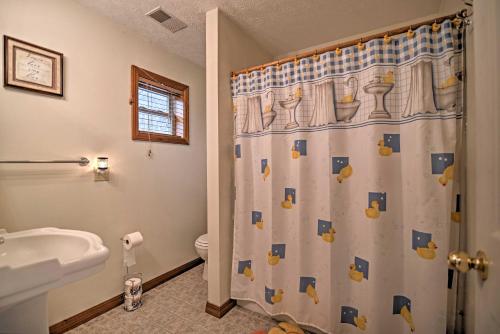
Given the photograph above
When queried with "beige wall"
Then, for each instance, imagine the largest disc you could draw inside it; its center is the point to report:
(450, 6)
(447, 7)
(163, 197)
(228, 48)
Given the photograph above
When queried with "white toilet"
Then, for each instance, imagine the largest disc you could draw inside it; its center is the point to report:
(201, 245)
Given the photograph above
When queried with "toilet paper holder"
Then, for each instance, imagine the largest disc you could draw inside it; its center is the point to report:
(129, 244)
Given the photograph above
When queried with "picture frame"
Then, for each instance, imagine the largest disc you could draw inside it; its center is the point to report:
(31, 67)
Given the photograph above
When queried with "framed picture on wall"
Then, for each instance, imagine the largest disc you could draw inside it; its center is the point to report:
(32, 67)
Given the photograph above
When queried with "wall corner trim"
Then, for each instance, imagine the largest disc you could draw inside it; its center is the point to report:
(220, 311)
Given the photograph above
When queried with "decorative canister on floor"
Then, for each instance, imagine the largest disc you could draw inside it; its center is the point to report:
(132, 292)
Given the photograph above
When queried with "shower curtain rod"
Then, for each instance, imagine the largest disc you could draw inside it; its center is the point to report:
(461, 15)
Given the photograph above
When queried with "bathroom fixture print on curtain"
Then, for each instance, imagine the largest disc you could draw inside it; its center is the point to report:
(345, 197)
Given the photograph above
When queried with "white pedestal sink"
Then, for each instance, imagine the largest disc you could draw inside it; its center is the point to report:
(34, 261)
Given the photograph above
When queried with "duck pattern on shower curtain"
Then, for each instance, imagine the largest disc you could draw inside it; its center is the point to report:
(347, 199)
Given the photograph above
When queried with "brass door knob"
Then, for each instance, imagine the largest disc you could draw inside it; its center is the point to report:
(462, 262)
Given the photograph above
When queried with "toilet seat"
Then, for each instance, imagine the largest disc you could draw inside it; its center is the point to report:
(202, 241)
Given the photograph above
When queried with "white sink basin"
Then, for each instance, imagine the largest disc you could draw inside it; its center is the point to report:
(35, 261)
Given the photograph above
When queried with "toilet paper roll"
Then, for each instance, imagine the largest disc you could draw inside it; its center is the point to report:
(130, 242)
(133, 286)
(132, 303)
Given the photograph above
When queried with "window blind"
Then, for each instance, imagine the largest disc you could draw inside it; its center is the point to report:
(160, 110)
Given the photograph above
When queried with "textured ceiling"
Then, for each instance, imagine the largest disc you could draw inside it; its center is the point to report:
(279, 26)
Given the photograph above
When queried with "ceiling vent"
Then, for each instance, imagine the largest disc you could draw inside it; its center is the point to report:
(167, 20)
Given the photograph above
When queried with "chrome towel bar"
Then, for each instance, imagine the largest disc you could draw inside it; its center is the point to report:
(82, 161)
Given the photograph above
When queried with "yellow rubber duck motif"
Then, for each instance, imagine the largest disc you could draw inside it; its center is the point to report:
(288, 203)
(389, 77)
(260, 224)
(295, 153)
(447, 175)
(311, 292)
(267, 172)
(360, 322)
(428, 252)
(344, 173)
(410, 33)
(450, 81)
(373, 211)
(267, 108)
(457, 22)
(272, 259)
(354, 274)
(298, 92)
(387, 39)
(338, 51)
(456, 217)
(277, 297)
(384, 150)
(248, 273)
(436, 27)
(329, 236)
(347, 99)
(361, 46)
(406, 314)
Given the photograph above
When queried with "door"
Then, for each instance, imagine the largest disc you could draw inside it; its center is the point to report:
(482, 307)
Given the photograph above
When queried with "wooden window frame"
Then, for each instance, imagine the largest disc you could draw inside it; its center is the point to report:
(142, 75)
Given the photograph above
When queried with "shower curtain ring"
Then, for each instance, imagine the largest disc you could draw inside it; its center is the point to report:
(410, 33)
(387, 38)
(316, 56)
(360, 45)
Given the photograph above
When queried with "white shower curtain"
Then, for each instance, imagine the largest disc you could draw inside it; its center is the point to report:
(324, 109)
(346, 226)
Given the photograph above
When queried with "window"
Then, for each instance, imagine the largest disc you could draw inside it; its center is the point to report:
(159, 108)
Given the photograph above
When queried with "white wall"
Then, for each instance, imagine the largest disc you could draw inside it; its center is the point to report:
(228, 49)
(164, 198)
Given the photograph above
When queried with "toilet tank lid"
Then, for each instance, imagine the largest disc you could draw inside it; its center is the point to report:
(202, 239)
